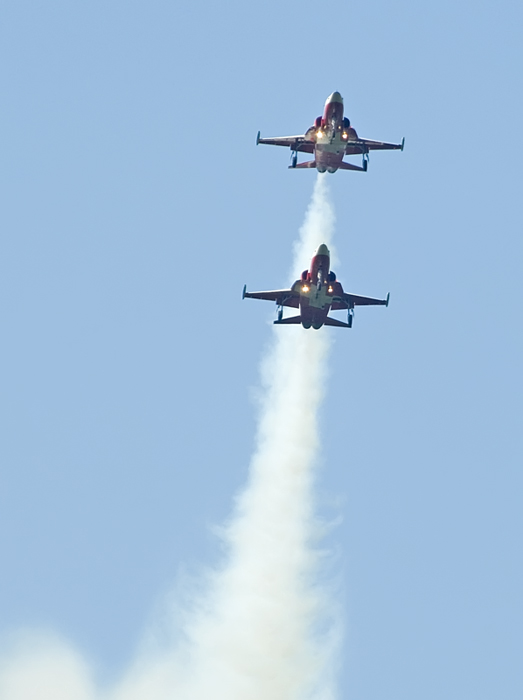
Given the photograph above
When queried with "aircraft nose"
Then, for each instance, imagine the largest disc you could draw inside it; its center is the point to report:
(322, 250)
(335, 97)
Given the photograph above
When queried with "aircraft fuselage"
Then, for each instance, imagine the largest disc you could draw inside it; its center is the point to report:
(316, 289)
(329, 135)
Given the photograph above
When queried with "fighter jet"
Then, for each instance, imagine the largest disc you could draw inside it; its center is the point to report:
(315, 294)
(330, 138)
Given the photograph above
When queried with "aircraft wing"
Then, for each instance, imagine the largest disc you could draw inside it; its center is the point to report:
(296, 143)
(283, 297)
(349, 301)
(365, 145)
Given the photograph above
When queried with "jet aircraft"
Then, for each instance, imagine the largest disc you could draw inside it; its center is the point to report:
(330, 138)
(315, 294)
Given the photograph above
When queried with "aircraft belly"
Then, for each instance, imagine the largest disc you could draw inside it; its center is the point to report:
(316, 302)
(330, 155)
(312, 315)
(335, 147)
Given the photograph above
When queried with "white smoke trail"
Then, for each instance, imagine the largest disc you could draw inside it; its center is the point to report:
(263, 630)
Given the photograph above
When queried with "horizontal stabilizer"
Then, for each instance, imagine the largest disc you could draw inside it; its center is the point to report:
(350, 166)
(291, 319)
(308, 164)
(334, 322)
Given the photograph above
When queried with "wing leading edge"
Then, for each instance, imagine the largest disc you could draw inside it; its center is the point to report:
(283, 297)
(357, 146)
(349, 301)
(295, 143)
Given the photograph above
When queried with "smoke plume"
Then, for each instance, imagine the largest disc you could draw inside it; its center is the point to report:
(263, 628)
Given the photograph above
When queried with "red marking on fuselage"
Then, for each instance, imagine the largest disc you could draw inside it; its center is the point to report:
(319, 263)
(333, 114)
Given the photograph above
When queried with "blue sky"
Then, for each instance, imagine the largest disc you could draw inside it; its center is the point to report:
(135, 207)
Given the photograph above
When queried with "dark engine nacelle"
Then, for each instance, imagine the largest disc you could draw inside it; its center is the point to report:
(332, 276)
(304, 275)
(346, 123)
(317, 122)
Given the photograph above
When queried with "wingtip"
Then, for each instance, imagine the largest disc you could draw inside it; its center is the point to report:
(244, 291)
(402, 143)
(387, 300)
(258, 137)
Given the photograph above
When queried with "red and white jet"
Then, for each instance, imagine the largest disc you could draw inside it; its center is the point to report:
(315, 294)
(330, 139)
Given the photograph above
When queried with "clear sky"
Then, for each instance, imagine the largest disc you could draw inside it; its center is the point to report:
(135, 205)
